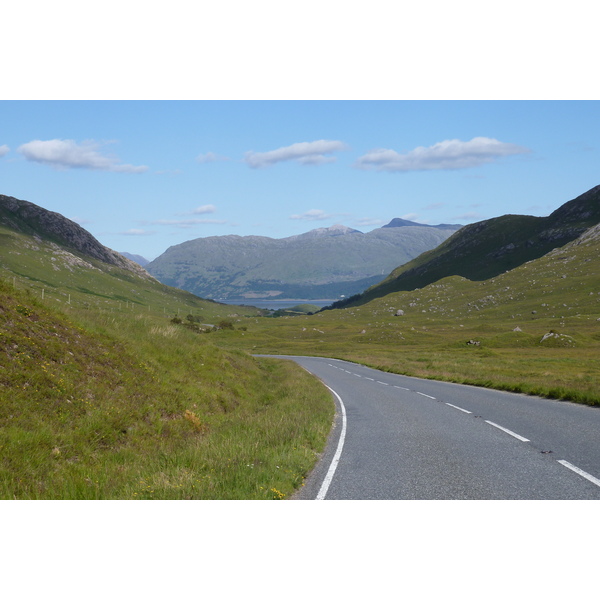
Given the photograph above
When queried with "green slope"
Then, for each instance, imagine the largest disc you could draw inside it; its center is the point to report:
(489, 248)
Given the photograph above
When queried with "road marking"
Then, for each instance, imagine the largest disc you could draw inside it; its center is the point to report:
(356, 375)
(459, 408)
(426, 395)
(336, 459)
(516, 435)
(369, 378)
(579, 471)
(383, 383)
(401, 388)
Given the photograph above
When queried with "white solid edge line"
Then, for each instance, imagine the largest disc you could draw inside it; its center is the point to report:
(459, 408)
(579, 471)
(516, 435)
(336, 459)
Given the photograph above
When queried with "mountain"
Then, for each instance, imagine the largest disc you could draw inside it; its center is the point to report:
(140, 260)
(405, 223)
(323, 263)
(488, 248)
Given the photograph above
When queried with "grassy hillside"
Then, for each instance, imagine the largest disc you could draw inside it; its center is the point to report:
(535, 329)
(109, 389)
(488, 248)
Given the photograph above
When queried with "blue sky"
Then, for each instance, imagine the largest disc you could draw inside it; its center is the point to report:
(145, 175)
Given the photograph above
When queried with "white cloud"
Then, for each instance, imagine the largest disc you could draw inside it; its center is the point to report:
(210, 157)
(203, 210)
(66, 154)
(4, 150)
(312, 215)
(306, 153)
(449, 154)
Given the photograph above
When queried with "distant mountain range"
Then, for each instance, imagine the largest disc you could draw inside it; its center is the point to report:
(324, 263)
(488, 248)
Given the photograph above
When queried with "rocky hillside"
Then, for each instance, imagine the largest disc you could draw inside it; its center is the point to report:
(488, 248)
(31, 219)
(322, 263)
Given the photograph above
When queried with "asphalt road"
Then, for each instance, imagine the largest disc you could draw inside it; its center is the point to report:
(398, 437)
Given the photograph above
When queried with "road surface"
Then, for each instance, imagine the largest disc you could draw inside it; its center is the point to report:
(398, 437)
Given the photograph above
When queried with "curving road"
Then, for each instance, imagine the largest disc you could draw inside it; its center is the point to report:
(398, 437)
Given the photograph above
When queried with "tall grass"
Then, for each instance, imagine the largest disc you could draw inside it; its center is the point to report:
(108, 406)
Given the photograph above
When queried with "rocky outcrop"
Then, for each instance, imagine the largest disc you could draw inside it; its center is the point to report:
(31, 219)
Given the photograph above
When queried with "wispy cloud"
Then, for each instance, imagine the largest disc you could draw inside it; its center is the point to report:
(137, 232)
(305, 153)
(449, 154)
(81, 221)
(410, 217)
(209, 157)
(187, 223)
(312, 215)
(370, 222)
(470, 216)
(4, 149)
(68, 154)
(203, 210)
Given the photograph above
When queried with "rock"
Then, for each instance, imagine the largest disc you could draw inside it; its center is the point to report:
(399, 313)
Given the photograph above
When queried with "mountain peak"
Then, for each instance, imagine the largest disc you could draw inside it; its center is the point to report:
(330, 231)
(403, 223)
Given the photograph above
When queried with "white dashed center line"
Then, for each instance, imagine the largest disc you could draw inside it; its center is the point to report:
(459, 408)
(579, 471)
(516, 435)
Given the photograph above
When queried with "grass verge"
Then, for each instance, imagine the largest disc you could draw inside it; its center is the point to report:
(110, 406)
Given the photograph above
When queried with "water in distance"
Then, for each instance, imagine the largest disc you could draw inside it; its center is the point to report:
(277, 304)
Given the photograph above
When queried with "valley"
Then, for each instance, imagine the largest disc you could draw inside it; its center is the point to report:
(115, 385)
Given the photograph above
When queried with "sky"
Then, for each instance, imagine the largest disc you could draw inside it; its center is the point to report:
(144, 175)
